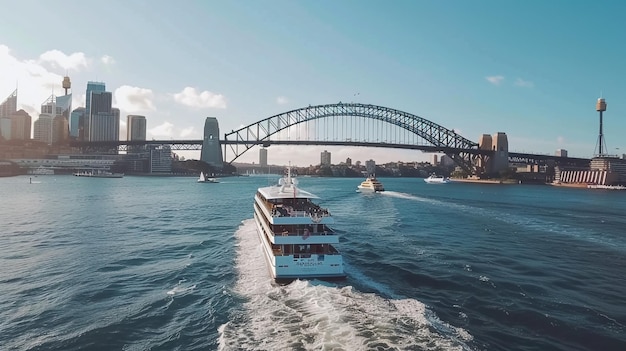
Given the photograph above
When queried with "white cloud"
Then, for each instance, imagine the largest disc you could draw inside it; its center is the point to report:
(134, 99)
(281, 100)
(162, 131)
(560, 140)
(206, 99)
(189, 133)
(524, 83)
(495, 80)
(107, 60)
(35, 83)
(58, 59)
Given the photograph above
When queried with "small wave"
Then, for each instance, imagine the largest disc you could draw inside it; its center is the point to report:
(180, 289)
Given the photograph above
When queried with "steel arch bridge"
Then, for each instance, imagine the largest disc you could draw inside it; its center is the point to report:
(352, 124)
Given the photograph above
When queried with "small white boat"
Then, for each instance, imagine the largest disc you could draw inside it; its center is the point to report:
(98, 174)
(41, 170)
(371, 185)
(435, 179)
(204, 179)
(606, 187)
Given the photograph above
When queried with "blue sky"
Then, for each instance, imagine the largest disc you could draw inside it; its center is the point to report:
(532, 69)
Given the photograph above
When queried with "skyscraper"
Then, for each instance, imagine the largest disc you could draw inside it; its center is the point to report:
(263, 157)
(77, 124)
(60, 128)
(9, 106)
(135, 127)
(21, 124)
(91, 87)
(103, 124)
(325, 158)
(43, 130)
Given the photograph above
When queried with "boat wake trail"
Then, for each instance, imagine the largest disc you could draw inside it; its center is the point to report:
(314, 315)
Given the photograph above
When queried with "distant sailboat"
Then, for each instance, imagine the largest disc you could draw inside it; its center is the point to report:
(204, 179)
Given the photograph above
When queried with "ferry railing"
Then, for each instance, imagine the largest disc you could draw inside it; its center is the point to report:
(303, 232)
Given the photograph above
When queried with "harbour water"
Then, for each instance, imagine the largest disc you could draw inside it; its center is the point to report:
(144, 263)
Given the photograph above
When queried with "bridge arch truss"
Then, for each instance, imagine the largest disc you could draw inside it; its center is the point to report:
(422, 133)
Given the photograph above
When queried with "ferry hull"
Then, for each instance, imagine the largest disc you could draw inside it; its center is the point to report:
(299, 266)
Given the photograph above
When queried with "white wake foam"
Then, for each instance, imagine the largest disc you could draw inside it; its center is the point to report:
(314, 315)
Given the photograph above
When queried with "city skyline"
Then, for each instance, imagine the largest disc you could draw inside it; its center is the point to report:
(484, 67)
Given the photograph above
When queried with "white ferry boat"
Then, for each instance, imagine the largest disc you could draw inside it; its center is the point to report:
(98, 174)
(371, 185)
(435, 179)
(295, 235)
(41, 170)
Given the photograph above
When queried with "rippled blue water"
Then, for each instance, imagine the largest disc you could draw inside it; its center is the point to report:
(169, 264)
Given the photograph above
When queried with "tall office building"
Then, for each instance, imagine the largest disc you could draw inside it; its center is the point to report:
(77, 123)
(63, 108)
(370, 166)
(561, 153)
(211, 150)
(263, 157)
(103, 123)
(5, 128)
(42, 130)
(21, 123)
(91, 87)
(116, 116)
(325, 158)
(135, 127)
(9, 105)
(7, 108)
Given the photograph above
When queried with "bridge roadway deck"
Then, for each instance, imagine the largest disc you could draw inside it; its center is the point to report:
(197, 145)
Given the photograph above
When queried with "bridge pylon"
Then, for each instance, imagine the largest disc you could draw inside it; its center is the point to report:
(211, 152)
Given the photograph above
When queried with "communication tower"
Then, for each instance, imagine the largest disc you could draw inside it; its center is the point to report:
(66, 84)
(601, 107)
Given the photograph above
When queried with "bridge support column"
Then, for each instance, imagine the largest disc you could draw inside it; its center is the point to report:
(211, 149)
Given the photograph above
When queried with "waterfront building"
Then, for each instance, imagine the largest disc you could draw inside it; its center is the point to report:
(434, 161)
(561, 153)
(325, 158)
(263, 157)
(370, 167)
(446, 161)
(211, 152)
(160, 159)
